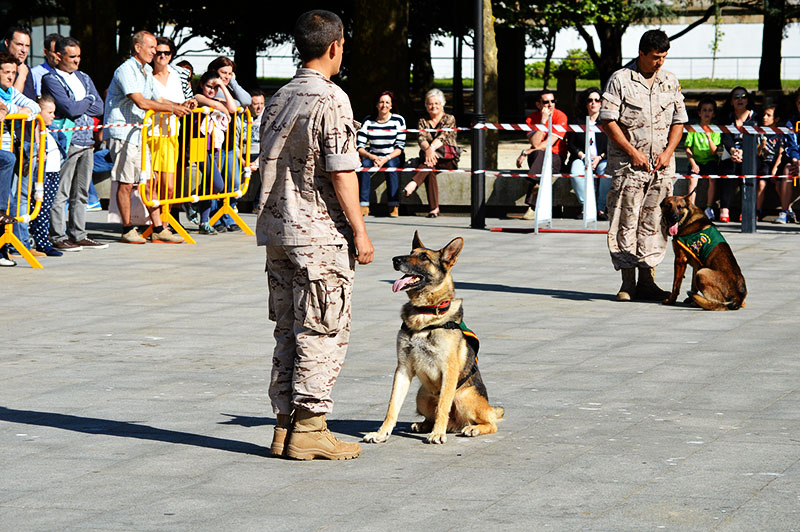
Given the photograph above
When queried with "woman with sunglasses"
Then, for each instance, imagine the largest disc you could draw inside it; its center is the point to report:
(598, 146)
(737, 112)
(163, 141)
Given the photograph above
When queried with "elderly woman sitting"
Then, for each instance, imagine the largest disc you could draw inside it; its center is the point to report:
(438, 149)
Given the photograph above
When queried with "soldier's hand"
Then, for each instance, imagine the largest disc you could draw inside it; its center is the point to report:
(364, 250)
(662, 161)
(639, 160)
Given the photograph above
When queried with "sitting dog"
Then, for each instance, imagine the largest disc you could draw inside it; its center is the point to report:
(435, 345)
(697, 241)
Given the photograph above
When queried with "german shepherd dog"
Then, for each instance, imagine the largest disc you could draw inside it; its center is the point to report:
(716, 273)
(434, 345)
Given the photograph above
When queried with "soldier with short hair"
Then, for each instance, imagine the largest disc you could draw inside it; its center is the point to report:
(310, 221)
(643, 115)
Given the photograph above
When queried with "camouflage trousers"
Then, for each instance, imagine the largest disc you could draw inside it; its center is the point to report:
(636, 237)
(309, 301)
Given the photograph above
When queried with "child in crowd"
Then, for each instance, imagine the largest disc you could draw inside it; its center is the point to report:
(54, 154)
(770, 153)
(701, 150)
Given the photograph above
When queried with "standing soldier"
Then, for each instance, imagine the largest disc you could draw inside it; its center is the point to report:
(643, 115)
(311, 223)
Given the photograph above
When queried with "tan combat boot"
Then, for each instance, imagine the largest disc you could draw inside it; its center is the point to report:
(628, 289)
(364, 210)
(646, 288)
(282, 424)
(310, 439)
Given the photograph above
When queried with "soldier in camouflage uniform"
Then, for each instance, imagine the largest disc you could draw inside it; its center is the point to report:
(311, 223)
(643, 115)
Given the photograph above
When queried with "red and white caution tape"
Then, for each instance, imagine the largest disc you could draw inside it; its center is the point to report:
(752, 130)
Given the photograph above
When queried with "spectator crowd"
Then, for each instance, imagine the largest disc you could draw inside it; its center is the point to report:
(67, 98)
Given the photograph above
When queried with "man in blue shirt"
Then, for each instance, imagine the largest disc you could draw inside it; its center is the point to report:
(130, 95)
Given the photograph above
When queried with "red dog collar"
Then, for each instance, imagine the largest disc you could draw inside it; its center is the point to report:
(436, 310)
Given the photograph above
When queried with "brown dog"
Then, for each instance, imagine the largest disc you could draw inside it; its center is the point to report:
(697, 241)
(435, 345)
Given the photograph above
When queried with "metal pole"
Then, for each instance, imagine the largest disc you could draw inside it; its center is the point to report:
(478, 181)
(749, 143)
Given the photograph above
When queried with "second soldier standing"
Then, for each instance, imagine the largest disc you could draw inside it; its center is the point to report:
(643, 115)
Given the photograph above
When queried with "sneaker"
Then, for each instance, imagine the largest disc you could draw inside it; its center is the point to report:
(191, 213)
(88, 243)
(782, 218)
(66, 245)
(206, 229)
(165, 236)
(220, 227)
(791, 217)
(709, 212)
(233, 228)
(6, 262)
(530, 214)
(132, 237)
(94, 207)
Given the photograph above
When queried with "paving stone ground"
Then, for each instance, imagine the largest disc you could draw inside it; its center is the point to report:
(133, 394)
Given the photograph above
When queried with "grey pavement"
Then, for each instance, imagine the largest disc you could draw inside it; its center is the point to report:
(133, 394)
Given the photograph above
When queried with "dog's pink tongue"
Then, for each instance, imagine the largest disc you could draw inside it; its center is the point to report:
(673, 230)
(401, 282)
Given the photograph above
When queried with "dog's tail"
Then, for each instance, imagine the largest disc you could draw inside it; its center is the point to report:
(708, 304)
(499, 412)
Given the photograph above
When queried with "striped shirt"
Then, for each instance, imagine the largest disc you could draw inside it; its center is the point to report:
(382, 137)
(130, 77)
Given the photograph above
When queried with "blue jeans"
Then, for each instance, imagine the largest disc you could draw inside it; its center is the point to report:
(217, 185)
(579, 183)
(392, 181)
(7, 162)
(233, 179)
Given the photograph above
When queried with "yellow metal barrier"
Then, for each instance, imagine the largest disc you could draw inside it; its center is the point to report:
(192, 159)
(17, 133)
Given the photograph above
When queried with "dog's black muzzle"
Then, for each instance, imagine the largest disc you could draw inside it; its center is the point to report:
(398, 261)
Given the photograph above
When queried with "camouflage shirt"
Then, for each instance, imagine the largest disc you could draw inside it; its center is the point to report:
(307, 132)
(644, 114)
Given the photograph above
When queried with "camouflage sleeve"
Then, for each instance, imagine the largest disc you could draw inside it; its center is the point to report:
(339, 135)
(680, 116)
(612, 100)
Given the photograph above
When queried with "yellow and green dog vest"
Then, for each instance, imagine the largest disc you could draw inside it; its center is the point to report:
(700, 244)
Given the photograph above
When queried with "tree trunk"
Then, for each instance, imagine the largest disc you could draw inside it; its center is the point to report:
(769, 72)
(490, 82)
(246, 59)
(369, 73)
(510, 73)
(550, 48)
(94, 24)
(422, 70)
(610, 59)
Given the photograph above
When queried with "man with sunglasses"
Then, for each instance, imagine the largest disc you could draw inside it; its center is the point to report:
(643, 115)
(535, 153)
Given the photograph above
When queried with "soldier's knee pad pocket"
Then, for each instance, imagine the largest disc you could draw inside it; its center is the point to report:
(325, 302)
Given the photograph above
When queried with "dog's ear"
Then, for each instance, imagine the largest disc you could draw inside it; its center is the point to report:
(686, 197)
(416, 242)
(450, 252)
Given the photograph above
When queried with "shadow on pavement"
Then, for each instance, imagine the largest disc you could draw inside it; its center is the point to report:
(127, 429)
(559, 294)
(352, 427)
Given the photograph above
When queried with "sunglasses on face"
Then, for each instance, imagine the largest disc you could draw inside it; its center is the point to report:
(591, 100)
(547, 102)
(163, 52)
(739, 96)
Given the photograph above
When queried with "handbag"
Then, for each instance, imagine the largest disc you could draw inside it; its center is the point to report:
(448, 152)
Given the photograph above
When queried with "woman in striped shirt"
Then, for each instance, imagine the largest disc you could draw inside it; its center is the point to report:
(380, 143)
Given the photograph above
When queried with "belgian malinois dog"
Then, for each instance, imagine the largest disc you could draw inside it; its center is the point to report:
(696, 241)
(435, 345)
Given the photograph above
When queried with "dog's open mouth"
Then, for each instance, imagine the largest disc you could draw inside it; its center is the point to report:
(405, 282)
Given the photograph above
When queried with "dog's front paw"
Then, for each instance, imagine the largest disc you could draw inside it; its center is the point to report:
(375, 437)
(435, 437)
